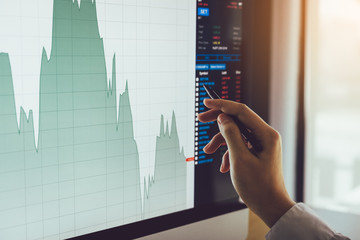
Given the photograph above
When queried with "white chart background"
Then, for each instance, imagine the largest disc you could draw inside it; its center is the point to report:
(154, 44)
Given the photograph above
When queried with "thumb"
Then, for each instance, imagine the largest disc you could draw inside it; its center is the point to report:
(231, 132)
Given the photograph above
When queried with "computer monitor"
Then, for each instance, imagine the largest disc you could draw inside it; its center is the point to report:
(98, 131)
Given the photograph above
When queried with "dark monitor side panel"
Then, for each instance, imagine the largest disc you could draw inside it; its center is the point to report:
(233, 58)
(257, 24)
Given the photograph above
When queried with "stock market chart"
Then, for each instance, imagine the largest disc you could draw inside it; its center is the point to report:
(95, 125)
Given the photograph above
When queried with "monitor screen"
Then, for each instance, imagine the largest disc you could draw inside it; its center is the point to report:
(98, 106)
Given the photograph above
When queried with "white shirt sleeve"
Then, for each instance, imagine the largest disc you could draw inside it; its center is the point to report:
(300, 222)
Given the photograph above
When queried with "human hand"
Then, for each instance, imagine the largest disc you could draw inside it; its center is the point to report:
(256, 176)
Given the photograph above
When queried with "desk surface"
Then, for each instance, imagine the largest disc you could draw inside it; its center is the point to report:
(226, 227)
(257, 228)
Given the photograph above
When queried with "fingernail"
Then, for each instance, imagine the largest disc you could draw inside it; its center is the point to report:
(204, 149)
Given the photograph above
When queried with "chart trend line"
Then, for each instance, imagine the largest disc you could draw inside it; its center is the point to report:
(83, 174)
(168, 187)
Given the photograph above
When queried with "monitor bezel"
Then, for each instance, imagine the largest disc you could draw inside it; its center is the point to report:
(165, 222)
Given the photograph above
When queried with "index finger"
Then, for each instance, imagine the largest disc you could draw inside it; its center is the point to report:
(248, 117)
(209, 116)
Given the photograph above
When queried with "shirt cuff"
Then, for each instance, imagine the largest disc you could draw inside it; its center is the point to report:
(300, 222)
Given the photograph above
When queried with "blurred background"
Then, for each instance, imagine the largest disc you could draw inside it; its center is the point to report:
(315, 45)
(332, 111)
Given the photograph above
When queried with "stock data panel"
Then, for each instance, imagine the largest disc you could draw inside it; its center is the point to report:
(218, 66)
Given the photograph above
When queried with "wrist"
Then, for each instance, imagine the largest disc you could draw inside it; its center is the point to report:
(274, 210)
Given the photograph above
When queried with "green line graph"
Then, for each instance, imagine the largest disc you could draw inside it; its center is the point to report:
(83, 173)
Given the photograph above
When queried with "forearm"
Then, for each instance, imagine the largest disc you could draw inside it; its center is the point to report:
(271, 212)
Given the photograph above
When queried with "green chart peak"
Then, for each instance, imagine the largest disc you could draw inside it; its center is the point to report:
(83, 174)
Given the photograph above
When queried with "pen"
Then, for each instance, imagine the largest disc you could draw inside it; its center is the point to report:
(248, 136)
